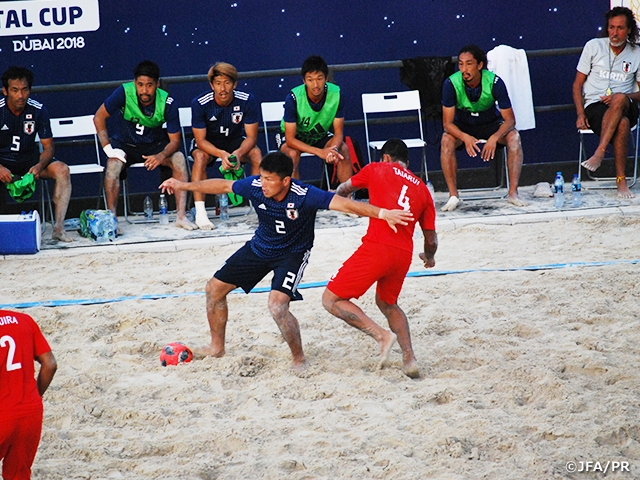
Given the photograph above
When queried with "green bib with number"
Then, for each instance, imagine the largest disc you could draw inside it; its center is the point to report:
(133, 113)
(313, 126)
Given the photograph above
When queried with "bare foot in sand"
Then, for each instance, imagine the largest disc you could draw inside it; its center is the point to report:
(516, 200)
(451, 204)
(207, 351)
(410, 369)
(186, 224)
(385, 349)
(299, 366)
(623, 191)
(594, 162)
(61, 236)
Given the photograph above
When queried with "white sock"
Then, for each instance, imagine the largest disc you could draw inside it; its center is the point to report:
(200, 208)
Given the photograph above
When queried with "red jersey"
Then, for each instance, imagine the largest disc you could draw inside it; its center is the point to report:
(20, 342)
(392, 186)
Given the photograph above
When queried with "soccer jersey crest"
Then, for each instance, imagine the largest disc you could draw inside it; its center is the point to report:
(292, 212)
(236, 117)
(626, 67)
(29, 127)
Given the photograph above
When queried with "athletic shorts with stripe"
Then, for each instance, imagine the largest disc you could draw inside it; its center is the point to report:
(245, 269)
(371, 263)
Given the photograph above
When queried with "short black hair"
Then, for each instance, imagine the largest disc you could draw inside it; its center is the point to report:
(17, 73)
(396, 149)
(147, 68)
(476, 52)
(277, 162)
(314, 63)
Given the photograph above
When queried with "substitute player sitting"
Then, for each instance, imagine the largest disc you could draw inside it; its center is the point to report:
(286, 210)
(224, 123)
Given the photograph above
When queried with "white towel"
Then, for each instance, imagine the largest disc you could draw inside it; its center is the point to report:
(511, 66)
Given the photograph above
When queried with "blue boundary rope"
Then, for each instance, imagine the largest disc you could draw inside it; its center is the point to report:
(423, 273)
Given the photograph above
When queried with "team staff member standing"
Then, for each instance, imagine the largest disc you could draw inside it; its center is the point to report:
(143, 108)
(286, 211)
(21, 342)
(469, 114)
(224, 122)
(310, 111)
(21, 118)
(608, 75)
(384, 256)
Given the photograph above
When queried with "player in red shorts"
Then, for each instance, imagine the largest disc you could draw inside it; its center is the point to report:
(384, 256)
(21, 342)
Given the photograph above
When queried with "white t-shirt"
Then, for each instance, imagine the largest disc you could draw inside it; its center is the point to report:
(605, 70)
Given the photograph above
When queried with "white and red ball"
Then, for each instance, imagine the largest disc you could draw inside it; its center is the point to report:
(174, 353)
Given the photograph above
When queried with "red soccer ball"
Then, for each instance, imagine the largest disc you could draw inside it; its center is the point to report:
(174, 353)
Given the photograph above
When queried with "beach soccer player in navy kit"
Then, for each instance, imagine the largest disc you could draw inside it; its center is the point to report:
(224, 122)
(21, 119)
(143, 109)
(286, 210)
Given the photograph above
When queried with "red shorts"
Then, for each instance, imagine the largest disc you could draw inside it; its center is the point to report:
(19, 439)
(371, 263)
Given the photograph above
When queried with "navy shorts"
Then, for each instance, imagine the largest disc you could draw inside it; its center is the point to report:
(23, 164)
(481, 132)
(245, 269)
(595, 112)
(281, 140)
(135, 153)
(228, 146)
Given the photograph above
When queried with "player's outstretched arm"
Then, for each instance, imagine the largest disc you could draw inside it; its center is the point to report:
(392, 217)
(346, 188)
(214, 186)
(48, 367)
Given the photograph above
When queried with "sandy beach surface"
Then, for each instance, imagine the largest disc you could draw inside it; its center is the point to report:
(523, 370)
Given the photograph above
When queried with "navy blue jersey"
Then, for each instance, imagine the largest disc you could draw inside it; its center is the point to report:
(134, 133)
(291, 107)
(18, 133)
(285, 226)
(464, 117)
(224, 123)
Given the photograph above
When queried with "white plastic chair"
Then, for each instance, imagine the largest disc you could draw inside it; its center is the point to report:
(78, 128)
(391, 102)
(635, 137)
(274, 112)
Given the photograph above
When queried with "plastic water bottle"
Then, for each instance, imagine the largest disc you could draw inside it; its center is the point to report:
(223, 201)
(148, 207)
(101, 231)
(558, 191)
(164, 214)
(576, 191)
(110, 226)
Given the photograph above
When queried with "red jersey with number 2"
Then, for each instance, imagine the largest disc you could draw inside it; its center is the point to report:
(392, 186)
(20, 342)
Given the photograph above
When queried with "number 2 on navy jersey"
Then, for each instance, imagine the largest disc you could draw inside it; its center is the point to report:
(280, 227)
(403, 200)
(11, 343)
